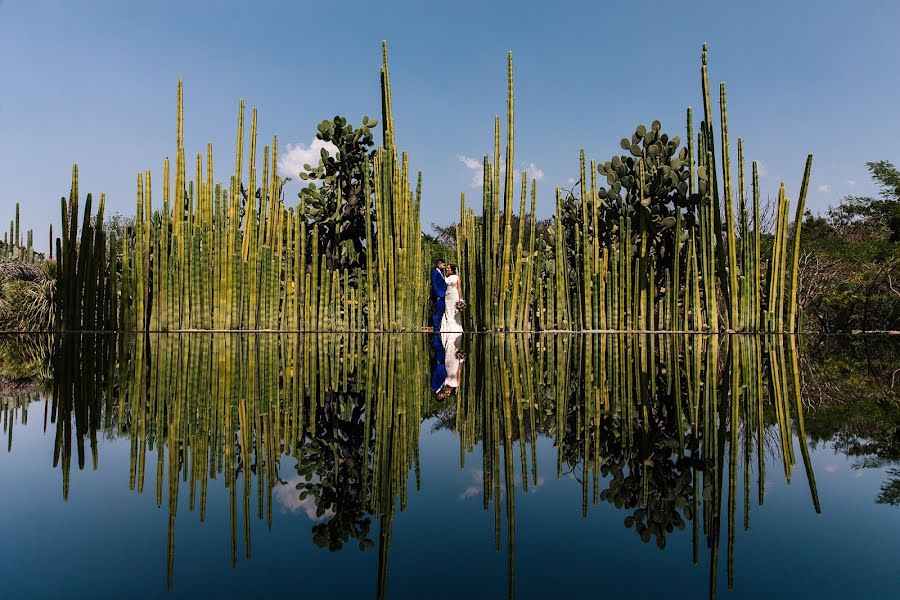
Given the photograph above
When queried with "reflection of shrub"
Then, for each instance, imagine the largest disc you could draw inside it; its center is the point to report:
(25, 358)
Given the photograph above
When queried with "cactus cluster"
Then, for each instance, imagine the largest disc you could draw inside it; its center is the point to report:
(15, 247)
(232, 256)
(87, 289)
(498, 273)
(651, 251)
(659, 243)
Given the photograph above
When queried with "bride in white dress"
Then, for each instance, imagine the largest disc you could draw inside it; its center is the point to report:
(451, 322)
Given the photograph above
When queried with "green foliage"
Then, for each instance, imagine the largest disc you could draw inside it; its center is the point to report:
(665, 186)
(851, 263)
(335, 198)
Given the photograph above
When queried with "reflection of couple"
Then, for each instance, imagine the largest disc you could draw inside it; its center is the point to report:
(445, 286)
(447, 365)
(447, 329)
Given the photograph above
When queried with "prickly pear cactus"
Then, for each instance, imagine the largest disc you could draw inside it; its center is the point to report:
(334, 197)
(649, 207)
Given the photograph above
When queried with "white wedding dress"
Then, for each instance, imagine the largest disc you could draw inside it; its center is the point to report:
(451, 323)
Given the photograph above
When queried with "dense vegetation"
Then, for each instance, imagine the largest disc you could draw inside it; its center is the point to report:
(27, 283)
(851, 260)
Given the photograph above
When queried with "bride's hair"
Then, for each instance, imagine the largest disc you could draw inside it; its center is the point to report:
(454, 270)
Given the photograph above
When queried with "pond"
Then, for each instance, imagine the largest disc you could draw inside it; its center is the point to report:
(403, 466)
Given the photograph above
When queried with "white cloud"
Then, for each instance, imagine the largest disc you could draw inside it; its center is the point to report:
(761, 169)
(851, 182)
(290, 164)
(477, 168)
(824, 188)
(534, 172)
(470, 162)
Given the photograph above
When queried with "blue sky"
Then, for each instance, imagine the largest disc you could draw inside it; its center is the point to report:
(95, 83)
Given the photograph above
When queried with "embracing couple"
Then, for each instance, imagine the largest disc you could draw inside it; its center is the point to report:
(446, 290)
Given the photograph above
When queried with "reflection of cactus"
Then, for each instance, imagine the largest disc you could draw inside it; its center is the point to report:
(645, 423)
(651, 418)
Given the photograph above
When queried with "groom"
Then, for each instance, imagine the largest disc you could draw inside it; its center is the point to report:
(439, 289)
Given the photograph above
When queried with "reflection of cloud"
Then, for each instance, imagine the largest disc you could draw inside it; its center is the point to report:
(831, 468)
(536, 486)
(288, 496)
(475, 487)
(470, 492)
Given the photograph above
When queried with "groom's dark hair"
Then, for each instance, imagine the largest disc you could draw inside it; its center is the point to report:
(438, 261)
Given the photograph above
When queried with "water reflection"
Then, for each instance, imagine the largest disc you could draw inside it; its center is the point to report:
(675, 432)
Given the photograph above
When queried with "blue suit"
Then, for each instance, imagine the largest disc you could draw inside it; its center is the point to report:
(439, 288)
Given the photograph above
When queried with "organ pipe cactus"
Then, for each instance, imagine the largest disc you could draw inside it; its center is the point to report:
(644, 248)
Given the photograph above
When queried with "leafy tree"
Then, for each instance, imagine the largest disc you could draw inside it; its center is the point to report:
(850, 275)
(876, 217)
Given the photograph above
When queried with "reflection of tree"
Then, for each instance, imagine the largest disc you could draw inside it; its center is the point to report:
(663, 426)
(647, 466)
(890, 489)
(858, 412)
(25, 361)
(331, 463)
(648, 477)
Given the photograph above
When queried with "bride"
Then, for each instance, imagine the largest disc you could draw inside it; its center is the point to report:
(451, 322)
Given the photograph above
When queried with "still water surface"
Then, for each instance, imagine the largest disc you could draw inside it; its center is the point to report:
(407, 467)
